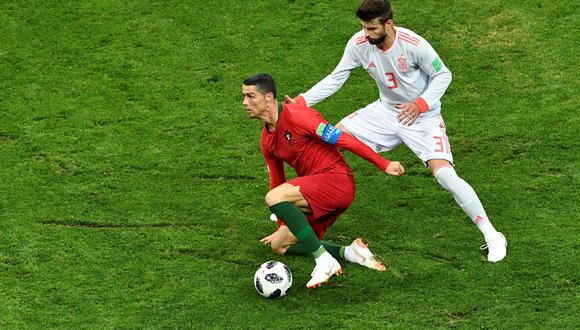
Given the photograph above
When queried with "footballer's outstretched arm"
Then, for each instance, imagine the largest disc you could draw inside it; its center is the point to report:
(315, 125)
(334, 81)
(335, 136)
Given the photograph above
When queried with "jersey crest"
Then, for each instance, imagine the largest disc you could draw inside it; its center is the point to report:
(288, 136)
(402, 63)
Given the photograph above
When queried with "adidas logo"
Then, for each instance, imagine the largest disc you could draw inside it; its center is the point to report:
(371, 65)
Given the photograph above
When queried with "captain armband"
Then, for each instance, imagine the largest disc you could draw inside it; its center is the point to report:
(328, 133)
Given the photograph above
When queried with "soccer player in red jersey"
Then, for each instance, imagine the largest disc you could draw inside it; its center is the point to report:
(309, 204)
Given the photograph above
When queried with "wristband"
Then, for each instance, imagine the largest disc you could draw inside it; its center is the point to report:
(423, 106)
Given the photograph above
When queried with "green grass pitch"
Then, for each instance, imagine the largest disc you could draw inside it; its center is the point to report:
(132, 184)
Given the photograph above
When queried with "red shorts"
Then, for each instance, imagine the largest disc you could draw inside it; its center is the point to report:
(328, 194)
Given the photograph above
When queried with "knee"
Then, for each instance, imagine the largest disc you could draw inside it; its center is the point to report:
(272, 197)
(448, 179)
(445, 176)
(277, 195)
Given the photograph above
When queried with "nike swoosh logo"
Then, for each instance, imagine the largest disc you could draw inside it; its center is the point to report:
(363, 258)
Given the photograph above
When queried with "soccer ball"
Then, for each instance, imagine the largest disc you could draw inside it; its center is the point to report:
(273, 279)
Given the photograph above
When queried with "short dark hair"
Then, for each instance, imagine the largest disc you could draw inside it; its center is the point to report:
(371, 9)
(263, 82)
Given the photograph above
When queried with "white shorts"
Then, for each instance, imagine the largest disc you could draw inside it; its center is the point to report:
(378, 127)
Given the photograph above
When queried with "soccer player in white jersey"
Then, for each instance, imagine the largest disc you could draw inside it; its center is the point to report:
(411, 79)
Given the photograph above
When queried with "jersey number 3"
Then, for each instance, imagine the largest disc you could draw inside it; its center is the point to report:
(391, 81)
(442, 144)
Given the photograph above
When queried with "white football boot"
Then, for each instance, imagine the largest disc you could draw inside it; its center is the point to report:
(326, 267)
(363, 256)
(496, 248)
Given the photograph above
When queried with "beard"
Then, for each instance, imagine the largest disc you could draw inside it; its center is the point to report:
(376, 41)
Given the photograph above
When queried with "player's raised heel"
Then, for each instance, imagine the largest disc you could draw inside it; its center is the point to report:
(496, 248)
(323, 271)
(365, 257)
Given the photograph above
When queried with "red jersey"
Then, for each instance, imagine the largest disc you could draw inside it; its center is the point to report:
(297, 140)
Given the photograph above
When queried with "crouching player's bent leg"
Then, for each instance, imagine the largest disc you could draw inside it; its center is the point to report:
(285, 201)
(283, 242)
(322, 209)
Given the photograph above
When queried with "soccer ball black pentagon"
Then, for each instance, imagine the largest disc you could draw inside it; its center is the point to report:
(273, 279)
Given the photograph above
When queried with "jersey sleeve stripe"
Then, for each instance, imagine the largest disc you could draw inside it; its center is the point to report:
(410, 37)
(412, 42)
(360, 40)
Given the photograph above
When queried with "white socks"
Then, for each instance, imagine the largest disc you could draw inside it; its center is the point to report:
(466, 197)
(325, 257)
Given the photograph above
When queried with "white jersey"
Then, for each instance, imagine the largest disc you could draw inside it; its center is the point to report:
(409, 71)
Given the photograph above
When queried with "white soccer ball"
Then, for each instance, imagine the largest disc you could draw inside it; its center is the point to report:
(273, 279)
